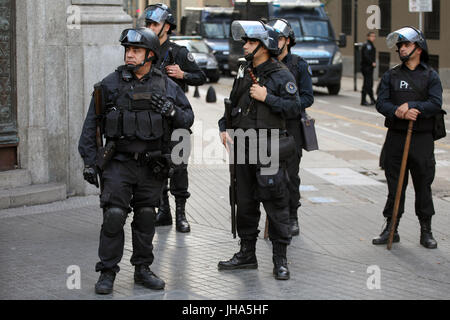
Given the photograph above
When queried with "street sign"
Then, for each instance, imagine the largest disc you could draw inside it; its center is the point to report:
(420, 6)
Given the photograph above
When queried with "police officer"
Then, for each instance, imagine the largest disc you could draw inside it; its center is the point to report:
(302, 74)
(141, 106)
(179, 64)
(368, 64)
(256, 107)
(410, 91)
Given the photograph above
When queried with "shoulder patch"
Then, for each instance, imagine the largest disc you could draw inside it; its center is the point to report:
(310, 70)
(291, 88)
(190, 57)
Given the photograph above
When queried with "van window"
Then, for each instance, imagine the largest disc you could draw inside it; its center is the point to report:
(216, 30)
(316, 28)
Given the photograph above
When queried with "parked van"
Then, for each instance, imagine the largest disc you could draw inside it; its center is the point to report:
(315, 37)
(213, 25)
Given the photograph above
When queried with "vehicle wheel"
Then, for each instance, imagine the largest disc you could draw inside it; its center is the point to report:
(334, 89)
(214, 79)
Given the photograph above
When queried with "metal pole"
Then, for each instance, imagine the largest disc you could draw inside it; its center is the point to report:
(420, 21)
(355, 48)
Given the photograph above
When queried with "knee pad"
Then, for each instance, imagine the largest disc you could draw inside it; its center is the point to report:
(114, 220)
(144, 219)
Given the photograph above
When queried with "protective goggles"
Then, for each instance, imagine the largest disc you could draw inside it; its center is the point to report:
(156, 14)
(131, 36)
(406, 34)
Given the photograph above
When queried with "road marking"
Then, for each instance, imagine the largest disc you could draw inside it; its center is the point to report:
(343, 177)
(366, 124)
(307, 188)
(322, 200)
(373, 135)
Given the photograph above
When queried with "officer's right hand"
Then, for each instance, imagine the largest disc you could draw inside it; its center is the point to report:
(162, 105)
(90, 175)
(412, 114)
(226, 139)
(401, 111)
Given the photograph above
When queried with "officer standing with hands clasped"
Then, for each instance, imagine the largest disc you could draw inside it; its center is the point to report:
(136, 109)
(258, 108)
(368, 64)
(302, 74)
(411, 91)
(179, 64)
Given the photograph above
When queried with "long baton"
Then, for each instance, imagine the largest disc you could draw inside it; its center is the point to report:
(400, 184)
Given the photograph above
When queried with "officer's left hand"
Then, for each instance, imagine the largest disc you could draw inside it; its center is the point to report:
(161, 105)
(174, 71)
(90, 175)
(258, 93)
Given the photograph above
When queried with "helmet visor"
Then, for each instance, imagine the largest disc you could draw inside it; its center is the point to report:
(281, 26)
(241, 30)
(131, 36)
(406, 34)
(156, 14)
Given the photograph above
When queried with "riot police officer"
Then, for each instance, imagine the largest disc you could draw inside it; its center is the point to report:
(179, 64)
(260, 107)
(411, 91)
(140, 107)
(368, 64)
(302, 74)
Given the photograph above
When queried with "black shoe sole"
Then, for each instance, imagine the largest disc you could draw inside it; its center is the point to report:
(395, 240)
(282, 277)
(184, 230)
(163, 223)
(241, 266)
(103, 291)
(295, 233)
(429, 247)
(145, 284)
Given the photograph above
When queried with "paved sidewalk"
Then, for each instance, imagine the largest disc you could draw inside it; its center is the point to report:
(343, 193)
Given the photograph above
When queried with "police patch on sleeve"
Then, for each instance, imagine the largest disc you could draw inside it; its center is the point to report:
(190, 57)
(310, 71)
(291, 88)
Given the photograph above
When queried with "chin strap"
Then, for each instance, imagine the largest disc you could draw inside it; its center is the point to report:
(406, 58)
(250, 56)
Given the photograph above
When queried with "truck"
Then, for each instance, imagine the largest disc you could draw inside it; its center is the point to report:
(315, 37)
(213, 25)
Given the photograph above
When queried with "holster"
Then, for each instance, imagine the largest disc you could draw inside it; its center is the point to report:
(104, 154)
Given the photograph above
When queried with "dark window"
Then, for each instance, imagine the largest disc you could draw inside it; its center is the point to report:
(347, 17)
(434, 62)
(432, 23)
(384, 61)
(385, 11)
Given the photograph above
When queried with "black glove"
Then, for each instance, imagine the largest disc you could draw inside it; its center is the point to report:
(161, 105)
(90, 175)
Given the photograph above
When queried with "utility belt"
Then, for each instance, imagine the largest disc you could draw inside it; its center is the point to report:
(160, 164)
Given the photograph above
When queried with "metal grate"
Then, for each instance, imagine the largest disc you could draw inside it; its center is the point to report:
(384, 61)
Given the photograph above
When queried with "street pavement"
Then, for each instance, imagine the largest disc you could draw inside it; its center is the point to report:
(43, 249)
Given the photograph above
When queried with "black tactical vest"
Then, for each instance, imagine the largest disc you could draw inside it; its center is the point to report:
(401, 91)
(292, 65)
(249, 113)
(128, 118)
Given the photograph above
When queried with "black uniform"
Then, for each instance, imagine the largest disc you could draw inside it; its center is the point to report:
(395, 89)
(194, 77)
(131, 177)
(368, 57)
(252, 188)
(301, 71)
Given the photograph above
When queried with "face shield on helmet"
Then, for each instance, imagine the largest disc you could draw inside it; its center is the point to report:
(142, 38)
(156, 14)
(281, 26)
(408, 34)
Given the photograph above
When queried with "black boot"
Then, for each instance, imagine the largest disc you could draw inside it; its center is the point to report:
(244, 259)
(105, 283)
(372, 101)
(363, 100)
(295, 229)
(426, 237)
(180, 214)
(384, 236)
(164, 217)
(143, 275)
(280, 268)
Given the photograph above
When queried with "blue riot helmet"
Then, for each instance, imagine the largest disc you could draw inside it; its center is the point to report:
(256, 30)
(142, 38)
(160, 13)
(284, 29)
(409, 34)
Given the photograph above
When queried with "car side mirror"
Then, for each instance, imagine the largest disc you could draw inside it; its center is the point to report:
(342, 41)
